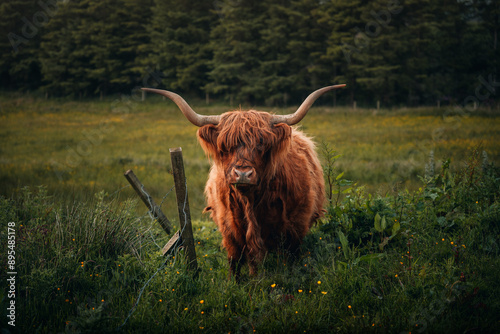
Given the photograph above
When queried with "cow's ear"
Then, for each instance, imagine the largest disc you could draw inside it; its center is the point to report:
(283, 134)
(207, 136)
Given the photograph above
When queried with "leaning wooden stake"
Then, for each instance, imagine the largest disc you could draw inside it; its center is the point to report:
(148, 200)
(183, 206)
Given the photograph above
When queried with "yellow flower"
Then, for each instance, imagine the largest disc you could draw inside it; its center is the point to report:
(273, 285)
(324, 292)
(319, 282)
(300, 291)
(202, 301)
(349, 306)
(186, 309)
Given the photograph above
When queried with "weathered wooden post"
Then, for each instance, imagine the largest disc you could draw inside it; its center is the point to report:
(181, 193)
(148, 200)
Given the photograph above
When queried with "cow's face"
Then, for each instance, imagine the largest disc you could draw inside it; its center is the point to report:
(246, 146)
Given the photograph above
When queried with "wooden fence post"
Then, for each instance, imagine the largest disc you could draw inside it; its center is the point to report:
(181, 193)
(148, 200)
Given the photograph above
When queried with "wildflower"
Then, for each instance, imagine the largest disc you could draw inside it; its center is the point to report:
(202, 312)
(452, 242)
(202, 301)
(186, 309)
(349, 306)
(324, 292)
(273, 285)
(102, 300)
(396, 275)
(296, 312)
(160, 300)
(442, 239)
(300, 291)
(319, 282)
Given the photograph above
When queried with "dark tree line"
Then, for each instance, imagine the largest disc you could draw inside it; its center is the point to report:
(406, 52)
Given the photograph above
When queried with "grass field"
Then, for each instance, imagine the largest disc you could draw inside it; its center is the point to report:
(395, 252)
(76, 148)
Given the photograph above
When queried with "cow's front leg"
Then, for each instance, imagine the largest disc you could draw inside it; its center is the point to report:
(235, 256)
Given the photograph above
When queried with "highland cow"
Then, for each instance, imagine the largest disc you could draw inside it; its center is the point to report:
(266, 184)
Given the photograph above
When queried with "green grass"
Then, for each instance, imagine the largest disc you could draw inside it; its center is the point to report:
(75, 148)
(384, 259)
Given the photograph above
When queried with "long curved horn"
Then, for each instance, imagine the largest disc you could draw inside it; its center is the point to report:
(297, 116)
(191, 115)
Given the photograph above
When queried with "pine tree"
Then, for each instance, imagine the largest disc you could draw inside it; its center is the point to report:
(92, 47)
(346, 42)
(235, 53)
(180, 33)
(22, 24)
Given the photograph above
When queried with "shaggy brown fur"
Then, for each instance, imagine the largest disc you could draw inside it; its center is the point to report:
(287, 199)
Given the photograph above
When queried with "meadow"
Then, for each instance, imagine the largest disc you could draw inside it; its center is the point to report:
(410, 242)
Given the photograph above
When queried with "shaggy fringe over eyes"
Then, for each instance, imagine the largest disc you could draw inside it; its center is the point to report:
(249, 129)
(245, 128)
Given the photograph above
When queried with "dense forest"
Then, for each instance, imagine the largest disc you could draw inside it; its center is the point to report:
(401, 53)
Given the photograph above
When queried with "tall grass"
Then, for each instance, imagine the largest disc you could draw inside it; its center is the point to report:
(403, 248)
(413, 261)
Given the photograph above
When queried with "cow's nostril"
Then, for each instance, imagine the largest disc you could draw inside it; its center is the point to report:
(244, 175)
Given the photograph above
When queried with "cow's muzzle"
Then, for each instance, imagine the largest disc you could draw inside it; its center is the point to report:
(244, 175)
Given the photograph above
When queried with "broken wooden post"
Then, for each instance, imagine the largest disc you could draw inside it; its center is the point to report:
(174, 241)
(183, 206)
(148, 200)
